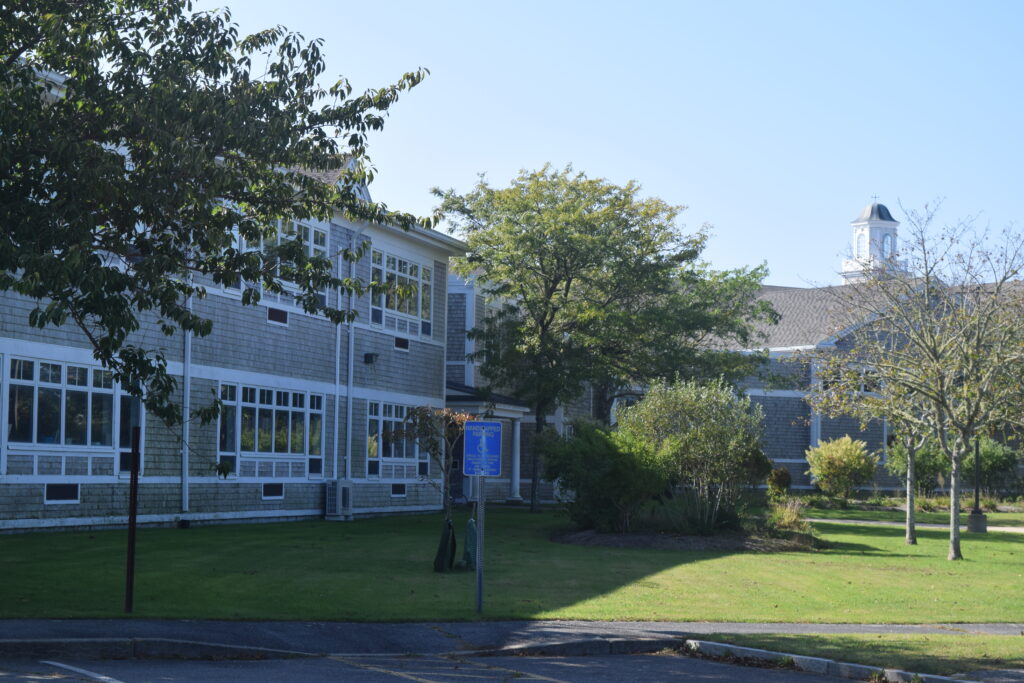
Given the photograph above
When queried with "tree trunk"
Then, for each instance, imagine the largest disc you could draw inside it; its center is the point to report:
(911, 489)
(535, 464)
(954, 508)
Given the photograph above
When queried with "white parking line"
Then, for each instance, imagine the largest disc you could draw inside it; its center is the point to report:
(85, 672)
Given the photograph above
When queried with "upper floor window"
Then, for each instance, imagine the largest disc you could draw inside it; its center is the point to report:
(315, 244)
(406, 305)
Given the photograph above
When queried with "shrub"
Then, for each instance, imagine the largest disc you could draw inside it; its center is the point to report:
(930, 465)
(709, 440)
(610, 475)
(779, 481)
(841, 465)
(787, 516)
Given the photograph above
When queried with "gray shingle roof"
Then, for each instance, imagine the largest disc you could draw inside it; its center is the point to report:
(808, 315)
(875, 212)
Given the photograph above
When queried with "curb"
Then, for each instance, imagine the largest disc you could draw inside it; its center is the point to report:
(732, 653)
(818, 665)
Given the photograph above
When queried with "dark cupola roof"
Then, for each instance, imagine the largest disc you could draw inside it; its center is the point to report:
(875, 212)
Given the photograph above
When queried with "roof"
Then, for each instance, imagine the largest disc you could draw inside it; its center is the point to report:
(875, 212)
(808, 315)
(463, 393)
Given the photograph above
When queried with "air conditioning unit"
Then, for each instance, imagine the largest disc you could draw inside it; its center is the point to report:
(338, 499)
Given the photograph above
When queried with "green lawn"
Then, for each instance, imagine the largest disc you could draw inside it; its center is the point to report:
(379, 570)
(929, 654)
(994, 518)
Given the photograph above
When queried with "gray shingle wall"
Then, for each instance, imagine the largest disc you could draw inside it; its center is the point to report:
(242, 339)
(786, 426)
(419, 371)
(456, 341)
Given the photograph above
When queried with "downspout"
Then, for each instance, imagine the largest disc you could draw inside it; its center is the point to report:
(186, 406)
(350, 379)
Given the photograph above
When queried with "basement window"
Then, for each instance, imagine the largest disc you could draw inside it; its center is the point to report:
(274, 491)
(398, 490)
(61, 493)
(401, 343)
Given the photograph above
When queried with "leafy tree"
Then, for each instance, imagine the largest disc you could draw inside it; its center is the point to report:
(943, 335)
(139, 138)
(839, 466)
(590, 283)
(710, 438)
(610, 474)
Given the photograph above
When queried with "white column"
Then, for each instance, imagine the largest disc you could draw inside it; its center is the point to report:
(513, 487)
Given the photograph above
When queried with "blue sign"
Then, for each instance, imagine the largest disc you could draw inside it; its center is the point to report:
(481, 450)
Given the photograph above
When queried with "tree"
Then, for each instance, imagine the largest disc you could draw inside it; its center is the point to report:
(589, 282)
(437, 430)
(709, 435)
(140, 141)
(943, 336)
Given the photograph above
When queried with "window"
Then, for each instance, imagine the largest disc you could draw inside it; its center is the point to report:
(390, 453)
(315, 243)
(406, 305)
(887, 246)
(398, 490)
(64, 404)
(60, 493)
(273, 491)
(260, 425)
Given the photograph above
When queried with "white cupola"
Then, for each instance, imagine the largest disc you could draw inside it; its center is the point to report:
(874, 243)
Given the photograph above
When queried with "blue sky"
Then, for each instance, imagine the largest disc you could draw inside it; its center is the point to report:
(775, 122)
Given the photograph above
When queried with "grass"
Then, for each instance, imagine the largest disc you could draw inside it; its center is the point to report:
(380, 570)
(928, 654)
(942, 517)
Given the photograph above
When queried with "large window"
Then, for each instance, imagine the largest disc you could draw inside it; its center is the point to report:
(261, 425)
(314, 241)
(390, 453)
(405, 306)
(69, 407)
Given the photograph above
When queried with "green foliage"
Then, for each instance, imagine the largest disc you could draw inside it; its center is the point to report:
(709, 439)
(779, 481)
(841, 465)
(932, 466)
(608, 474)
(787, 515)
(590, 282)
(140, 139)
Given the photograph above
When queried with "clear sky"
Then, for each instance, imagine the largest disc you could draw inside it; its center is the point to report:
(775, 122)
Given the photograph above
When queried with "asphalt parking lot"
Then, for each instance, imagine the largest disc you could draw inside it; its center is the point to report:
(391, 668)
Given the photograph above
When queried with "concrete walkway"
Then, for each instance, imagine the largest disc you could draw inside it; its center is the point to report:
(919, 525)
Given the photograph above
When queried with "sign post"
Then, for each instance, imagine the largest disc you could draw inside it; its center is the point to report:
(481, 458)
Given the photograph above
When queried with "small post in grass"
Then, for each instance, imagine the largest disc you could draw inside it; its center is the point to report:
(133, 513)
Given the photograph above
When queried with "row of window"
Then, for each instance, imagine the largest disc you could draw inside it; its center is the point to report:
(60, 405)
(407, 301)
